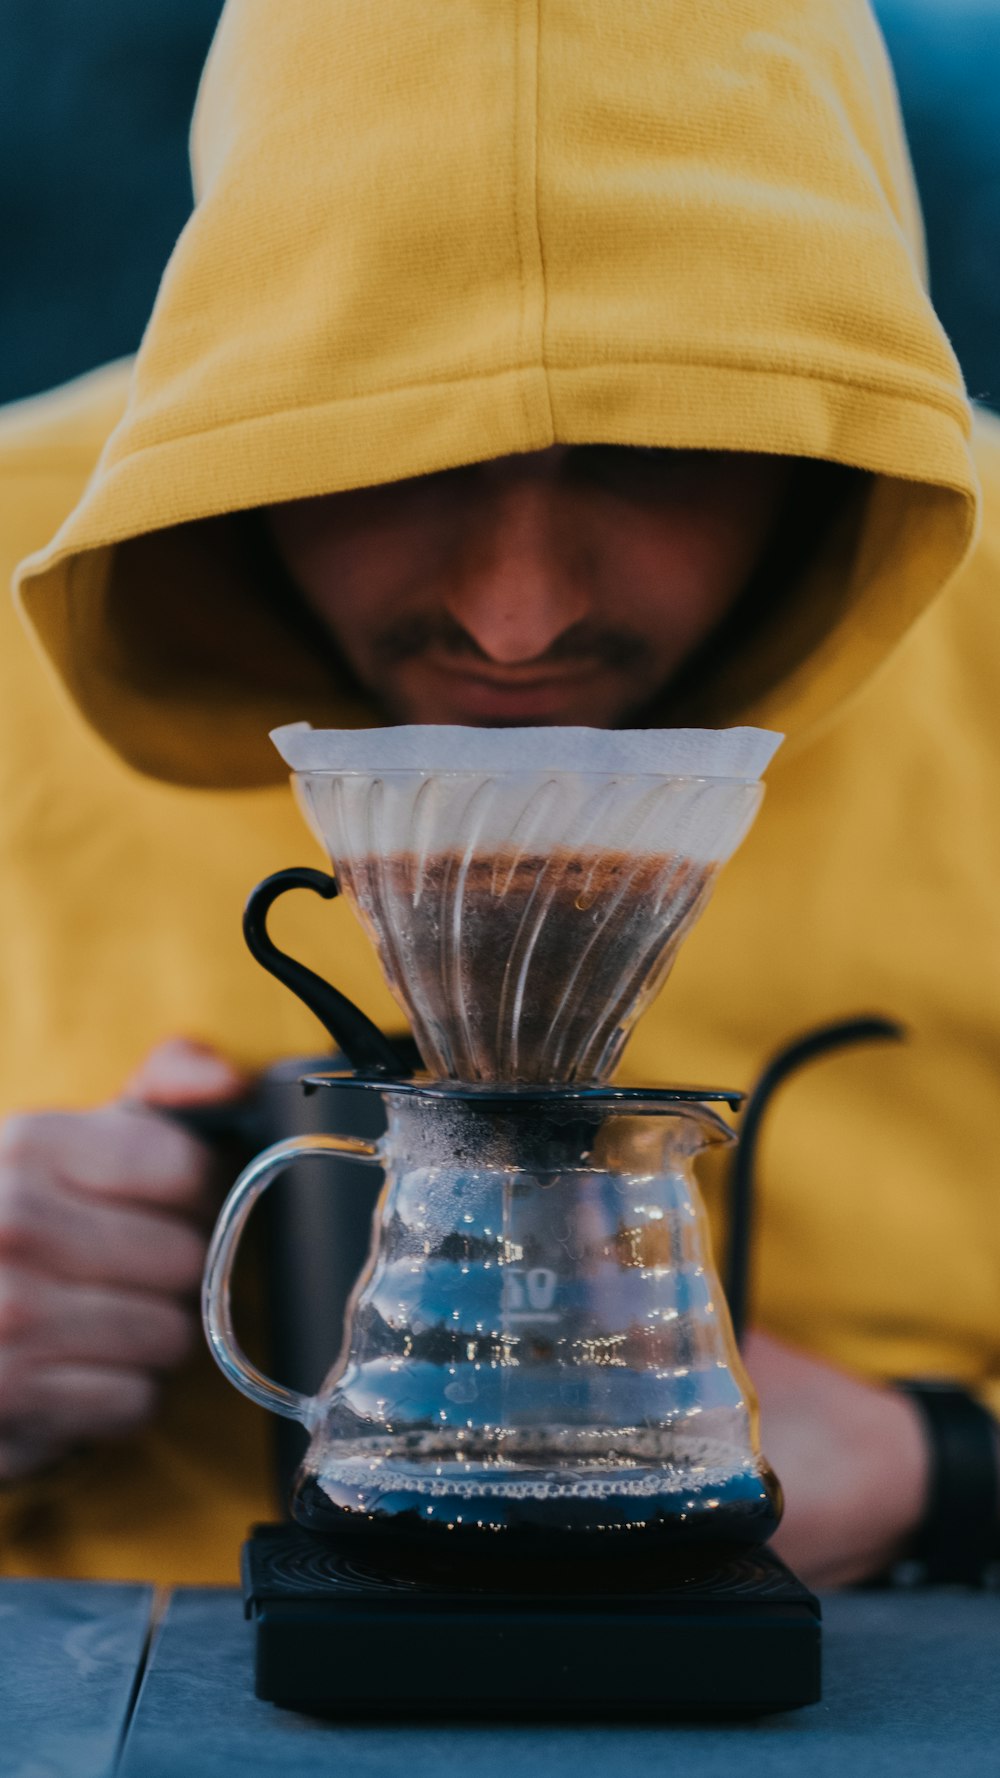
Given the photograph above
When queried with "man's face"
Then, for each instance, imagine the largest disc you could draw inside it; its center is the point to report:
(562, 586)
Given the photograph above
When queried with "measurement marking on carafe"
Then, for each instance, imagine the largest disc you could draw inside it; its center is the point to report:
(536, 1287)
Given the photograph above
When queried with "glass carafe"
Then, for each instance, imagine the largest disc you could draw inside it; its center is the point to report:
(537, 1357)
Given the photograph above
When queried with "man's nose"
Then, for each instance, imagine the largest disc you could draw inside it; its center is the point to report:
(516, 587)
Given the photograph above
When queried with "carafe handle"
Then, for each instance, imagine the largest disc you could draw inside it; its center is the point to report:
(216, 1306)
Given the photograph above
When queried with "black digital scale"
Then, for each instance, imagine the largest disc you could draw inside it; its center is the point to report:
(335, 1637)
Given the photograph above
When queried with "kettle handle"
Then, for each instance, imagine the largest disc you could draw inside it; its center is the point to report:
(216, 1305)
(809, 1046)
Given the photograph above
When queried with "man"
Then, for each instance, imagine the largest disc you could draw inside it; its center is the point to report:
(518, 365)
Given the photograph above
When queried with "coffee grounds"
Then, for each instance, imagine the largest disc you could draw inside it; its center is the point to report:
(525, 967)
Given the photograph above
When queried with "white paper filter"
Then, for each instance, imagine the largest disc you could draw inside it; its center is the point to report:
(419, 789)
(669, 752)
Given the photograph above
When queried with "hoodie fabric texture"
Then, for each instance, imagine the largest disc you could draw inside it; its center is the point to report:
(427, 238)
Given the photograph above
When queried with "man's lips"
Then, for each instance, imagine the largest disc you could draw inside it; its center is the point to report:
(527, 678)
(514, 693)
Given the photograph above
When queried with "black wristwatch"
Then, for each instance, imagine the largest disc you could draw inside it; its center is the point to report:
(958, 1540)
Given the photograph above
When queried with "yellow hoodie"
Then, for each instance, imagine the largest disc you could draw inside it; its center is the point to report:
(429, 235)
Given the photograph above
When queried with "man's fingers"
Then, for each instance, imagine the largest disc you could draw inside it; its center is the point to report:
(101, 1244)
(50, 1228)
(57, 1404)
(124, 1153)
(181, 1072)
(43, 1322)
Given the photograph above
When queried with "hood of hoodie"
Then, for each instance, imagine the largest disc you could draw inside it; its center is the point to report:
(430, 235)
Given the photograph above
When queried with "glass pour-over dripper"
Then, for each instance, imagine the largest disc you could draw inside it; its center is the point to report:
(526, 890)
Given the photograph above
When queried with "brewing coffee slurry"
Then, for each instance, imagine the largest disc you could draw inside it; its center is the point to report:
(525, 967)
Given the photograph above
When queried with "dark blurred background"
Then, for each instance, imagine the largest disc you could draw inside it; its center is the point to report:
(95, 101)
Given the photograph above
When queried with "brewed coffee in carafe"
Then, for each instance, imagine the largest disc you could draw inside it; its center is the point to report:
(538, 1360)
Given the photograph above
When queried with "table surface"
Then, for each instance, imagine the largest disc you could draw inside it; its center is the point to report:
(100, 1680)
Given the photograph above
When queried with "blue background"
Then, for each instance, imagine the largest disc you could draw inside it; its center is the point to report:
(95, 100)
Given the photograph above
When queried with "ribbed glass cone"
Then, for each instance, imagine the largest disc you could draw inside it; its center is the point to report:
(524, 919)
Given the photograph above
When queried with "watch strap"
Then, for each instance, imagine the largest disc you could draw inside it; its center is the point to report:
(958, 1539)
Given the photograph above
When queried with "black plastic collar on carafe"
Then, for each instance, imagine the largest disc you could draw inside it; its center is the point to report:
(492, 1092)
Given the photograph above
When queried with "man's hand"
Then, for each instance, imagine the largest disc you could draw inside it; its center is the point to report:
(851, 1458)
(104, 1218)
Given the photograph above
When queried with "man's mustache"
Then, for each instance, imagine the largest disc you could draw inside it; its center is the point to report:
(585, 643)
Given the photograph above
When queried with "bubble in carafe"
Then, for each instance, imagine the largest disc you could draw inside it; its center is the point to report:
(695, 1509)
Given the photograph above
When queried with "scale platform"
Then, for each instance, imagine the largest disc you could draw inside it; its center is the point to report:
(332, 1637)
